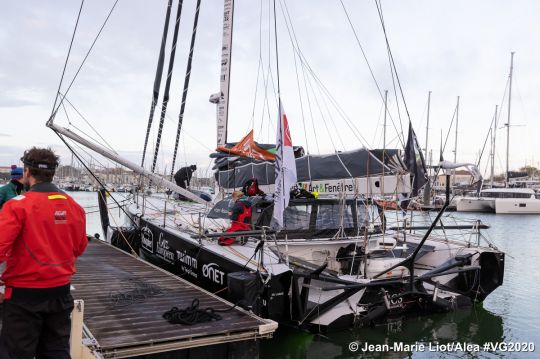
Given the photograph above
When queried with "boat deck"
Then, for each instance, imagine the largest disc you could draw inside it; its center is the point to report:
(125, 298)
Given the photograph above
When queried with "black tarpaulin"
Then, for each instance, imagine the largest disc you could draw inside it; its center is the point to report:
(350, 164)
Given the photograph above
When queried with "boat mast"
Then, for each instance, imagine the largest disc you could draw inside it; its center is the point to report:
(455, 143)
(508, 123)
(493, 139)
(427, 121)
(222, 98)
(384, 135)
(427, 188)
(384, 123)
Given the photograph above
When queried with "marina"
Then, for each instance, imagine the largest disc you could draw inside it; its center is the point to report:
(291, 214)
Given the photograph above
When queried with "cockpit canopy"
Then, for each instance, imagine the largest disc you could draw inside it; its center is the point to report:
(309, 218)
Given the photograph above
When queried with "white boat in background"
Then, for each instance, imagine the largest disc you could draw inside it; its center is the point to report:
(501, 200)
(475, 204)
(522, 201)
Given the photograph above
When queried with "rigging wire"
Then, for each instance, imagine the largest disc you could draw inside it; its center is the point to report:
(186, 84)
(297, 80)
(322, 116)
(449, 128)
(167, 84)
(485, 141)
(157, 79)
(297, 52)
(503, 100)
(393, 63)
(84, 59)
(267, 79)
(81, 148)
(302, 112)
(325, 91)
(364, 55)
(323, 100)
(91, 173)
(66, 62)
(104, 143)
(89, 155)
(251, 124)
(393, 70)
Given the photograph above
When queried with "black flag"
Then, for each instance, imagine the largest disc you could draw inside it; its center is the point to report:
(414, 160)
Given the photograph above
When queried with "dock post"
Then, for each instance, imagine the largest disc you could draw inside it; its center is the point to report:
(77, 349)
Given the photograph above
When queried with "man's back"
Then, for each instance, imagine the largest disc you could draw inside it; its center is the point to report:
(43, 232)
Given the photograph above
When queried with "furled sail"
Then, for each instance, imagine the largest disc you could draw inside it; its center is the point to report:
(342, 165)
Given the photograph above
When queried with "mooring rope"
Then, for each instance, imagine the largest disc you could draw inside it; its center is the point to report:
(193, 314)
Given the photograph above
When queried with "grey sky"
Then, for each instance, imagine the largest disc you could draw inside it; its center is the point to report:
(449, 47)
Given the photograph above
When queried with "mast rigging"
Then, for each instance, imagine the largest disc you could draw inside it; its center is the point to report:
(167, 84)
(157, 79)
(186, 84)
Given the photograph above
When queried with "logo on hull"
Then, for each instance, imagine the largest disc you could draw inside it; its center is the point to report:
(163, 250)
(212, 272)
(147, 239)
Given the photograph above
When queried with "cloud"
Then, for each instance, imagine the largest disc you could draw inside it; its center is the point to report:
(19, 97)
(15, 102)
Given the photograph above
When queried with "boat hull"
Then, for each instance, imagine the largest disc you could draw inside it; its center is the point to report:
(517, 205)
(299, 295)
(208, 270)
(472, 204)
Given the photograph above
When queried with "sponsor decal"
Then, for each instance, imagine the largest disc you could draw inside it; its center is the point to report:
(327, 187)
(278, 294)
(212, 272)
(221, 210)
(163, 249)
(60, 217)
(188, 263)
(147, 239)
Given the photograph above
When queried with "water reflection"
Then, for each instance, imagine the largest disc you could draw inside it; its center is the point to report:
(474, 325)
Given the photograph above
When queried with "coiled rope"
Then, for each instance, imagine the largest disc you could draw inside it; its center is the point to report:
(193, 315)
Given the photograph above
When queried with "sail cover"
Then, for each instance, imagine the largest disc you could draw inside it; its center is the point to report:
(350, 164)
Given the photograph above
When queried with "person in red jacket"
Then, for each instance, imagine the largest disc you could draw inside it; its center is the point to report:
(240, 215)
(42, 232)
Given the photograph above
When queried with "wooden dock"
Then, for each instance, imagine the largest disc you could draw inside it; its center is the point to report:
(125, 298)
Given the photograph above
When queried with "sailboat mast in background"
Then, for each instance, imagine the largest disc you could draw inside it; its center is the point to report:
(508, 123)
(493, 139)
(455, 143)
(427, 188)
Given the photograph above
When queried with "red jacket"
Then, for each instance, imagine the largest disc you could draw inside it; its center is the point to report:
(41, 234)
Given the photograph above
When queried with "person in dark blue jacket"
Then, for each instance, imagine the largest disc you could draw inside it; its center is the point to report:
(15, 187)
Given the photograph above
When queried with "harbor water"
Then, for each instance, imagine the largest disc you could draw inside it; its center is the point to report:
(506, 325)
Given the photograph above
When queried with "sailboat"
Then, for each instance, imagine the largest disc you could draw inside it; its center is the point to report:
(508, 200)
(331, 266)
